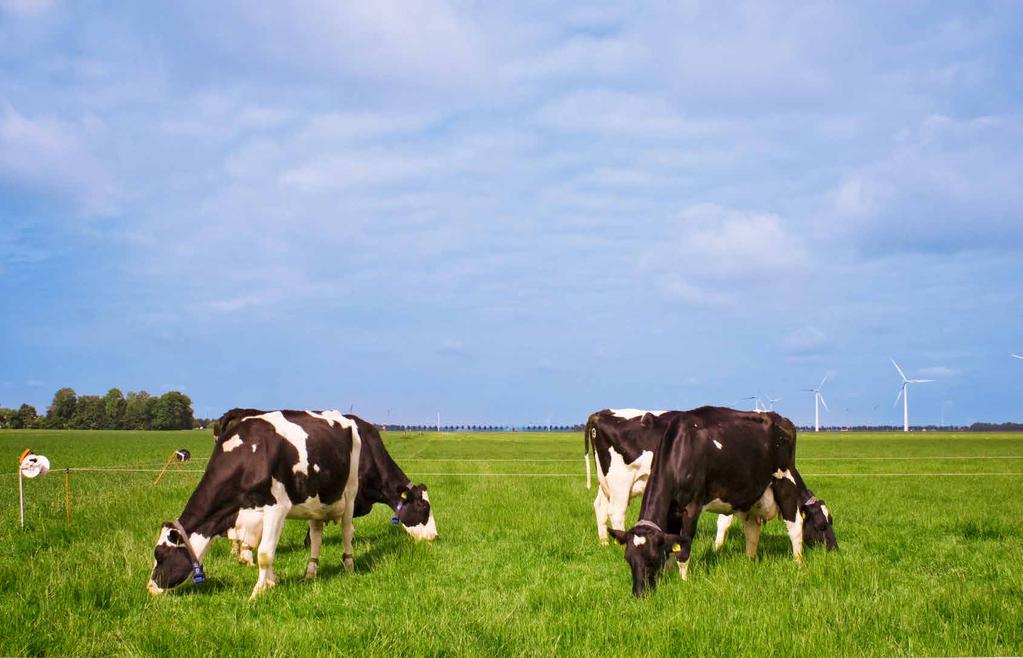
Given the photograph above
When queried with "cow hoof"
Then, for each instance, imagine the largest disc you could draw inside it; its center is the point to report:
(349, 563)
(310, 572)
(604, 541)
(260, 588)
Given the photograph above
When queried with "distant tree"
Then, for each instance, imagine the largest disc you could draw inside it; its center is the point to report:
(58, 416)
(89, 413)
(172, 411)
(136, 412)
(114, 406)
(6, 414)
(26, 417)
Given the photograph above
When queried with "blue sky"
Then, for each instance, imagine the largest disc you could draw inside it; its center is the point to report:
(508, 214)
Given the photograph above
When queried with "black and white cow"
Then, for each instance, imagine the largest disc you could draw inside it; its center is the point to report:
(817, 521)
(719, 460)
(268, 467)
(623, 443)
(381, 481)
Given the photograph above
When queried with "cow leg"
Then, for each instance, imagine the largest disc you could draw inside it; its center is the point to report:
(786, 495)
(724, 523)
(348, 532)
(751, 529)
(315, 541)
(618, 504)
(600, 508)
(273, 522)
(690, 516)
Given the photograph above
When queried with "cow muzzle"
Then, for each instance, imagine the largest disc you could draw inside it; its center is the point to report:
(424, 531)
(153, 588)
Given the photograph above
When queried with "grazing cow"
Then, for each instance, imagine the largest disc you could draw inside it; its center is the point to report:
(267, 467)
(381, 480)
(719, 460)
(817, 520)
(624, 442)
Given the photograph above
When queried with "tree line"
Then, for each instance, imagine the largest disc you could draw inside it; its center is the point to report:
(114, 411)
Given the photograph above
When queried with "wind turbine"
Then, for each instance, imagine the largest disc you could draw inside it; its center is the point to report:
(904, 394)
(1017, 356)
(757, 406)
(771, 402)
(818, 400)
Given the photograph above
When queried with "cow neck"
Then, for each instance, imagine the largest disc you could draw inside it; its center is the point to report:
(205, 514)
(393, 480)
(660, 490)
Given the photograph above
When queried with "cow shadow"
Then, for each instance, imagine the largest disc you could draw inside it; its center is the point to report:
(380, 545)
(771, 547)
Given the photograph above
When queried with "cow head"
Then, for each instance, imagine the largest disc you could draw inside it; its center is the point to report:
(646, 550)
(415, 513)
(817, 524)
(173, 561)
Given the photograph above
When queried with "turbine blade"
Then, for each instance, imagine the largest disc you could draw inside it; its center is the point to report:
(824, 402)
(821, 385)
(1017, 356)
(919, 381)
(901, 374)
(897, 397)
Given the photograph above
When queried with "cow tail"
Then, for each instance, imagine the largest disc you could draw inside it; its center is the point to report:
(586, 450)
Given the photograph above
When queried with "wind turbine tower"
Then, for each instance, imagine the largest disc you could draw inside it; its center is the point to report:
(904, 394)
(818, 400)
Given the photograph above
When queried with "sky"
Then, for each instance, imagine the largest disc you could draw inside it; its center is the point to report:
(511, 213)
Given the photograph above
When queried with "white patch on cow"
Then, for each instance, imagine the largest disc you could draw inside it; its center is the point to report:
(827, 514)
(424, 531)
(254, 447)
(629, 414)
(316, 468)
(293, 434)
(795, 529)
(724, 523)
(718, 444)
(622, 482)
(638, 540)
(765, 508)
(718, 506)
(232, 443)
(786, 475)
(426, 496)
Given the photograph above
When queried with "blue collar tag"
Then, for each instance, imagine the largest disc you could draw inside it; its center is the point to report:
(394, 519)
(198, 576)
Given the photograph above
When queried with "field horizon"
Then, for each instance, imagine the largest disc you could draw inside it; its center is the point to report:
(929, 526)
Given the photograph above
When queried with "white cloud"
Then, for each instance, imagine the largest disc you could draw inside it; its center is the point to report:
(26, 7)
(613, 113)
(938, 371)
(945, 185)
(50, 154)
(805, 339)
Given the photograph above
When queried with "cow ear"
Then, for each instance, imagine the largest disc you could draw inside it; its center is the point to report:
(619, 535)
(174, 537)
(672, 543)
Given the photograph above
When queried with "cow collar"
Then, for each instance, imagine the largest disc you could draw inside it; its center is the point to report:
(401, 503)
(649, 524)
(198, 576)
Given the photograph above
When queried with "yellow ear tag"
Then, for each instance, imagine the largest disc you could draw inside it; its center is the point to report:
(676, 548)
(404, 495)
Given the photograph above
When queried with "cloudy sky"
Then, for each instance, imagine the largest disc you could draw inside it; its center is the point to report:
(513, 214)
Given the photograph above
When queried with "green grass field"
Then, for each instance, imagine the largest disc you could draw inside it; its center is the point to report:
(931, 560)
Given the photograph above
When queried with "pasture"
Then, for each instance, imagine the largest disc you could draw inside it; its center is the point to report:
(931, 559)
